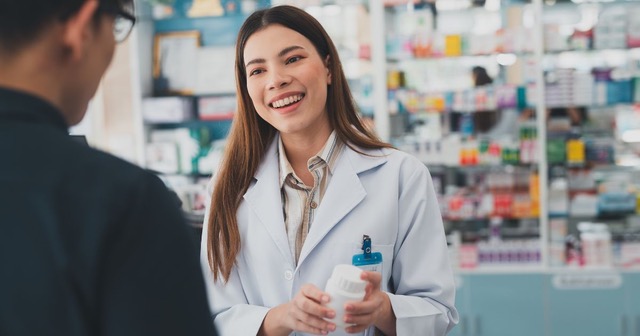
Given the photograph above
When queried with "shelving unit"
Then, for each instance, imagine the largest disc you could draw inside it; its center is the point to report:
(497, 296)
(424, 87)
(489, 193)
(184, 136)
(436, 98)
(594, 144)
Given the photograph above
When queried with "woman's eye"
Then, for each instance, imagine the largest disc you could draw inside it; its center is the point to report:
(293, 59)
(255, 72)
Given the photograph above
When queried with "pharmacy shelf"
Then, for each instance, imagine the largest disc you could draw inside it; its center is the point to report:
(592, 51)
(539, 269)
(459, 58)
(503, 269)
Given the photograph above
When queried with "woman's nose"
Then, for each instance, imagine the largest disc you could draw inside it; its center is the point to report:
(278, 79)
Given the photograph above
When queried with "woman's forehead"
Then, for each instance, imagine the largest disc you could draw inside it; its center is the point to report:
(273, 39)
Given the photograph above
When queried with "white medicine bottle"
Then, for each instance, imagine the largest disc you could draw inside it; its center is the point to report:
(344, 286)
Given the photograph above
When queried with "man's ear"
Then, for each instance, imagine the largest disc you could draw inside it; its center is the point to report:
(78, 28)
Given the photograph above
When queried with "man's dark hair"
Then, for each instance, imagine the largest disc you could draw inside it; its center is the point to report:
(21, 21)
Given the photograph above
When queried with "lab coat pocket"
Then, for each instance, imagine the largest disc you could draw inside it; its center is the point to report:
(387, 263)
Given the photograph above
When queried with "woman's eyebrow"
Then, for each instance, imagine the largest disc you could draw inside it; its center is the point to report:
(288, 49)
(280, 54)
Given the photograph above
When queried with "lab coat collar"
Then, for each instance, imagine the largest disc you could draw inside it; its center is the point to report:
(344, 192)
(264, 198)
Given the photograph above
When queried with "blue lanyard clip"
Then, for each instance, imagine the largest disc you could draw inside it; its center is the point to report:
(368, 260)
(366, 246)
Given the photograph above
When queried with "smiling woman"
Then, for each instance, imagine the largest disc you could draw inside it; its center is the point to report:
(302, 175)
(287, 81)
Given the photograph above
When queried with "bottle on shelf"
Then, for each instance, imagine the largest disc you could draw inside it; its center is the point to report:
(595, 239)
(575, 149)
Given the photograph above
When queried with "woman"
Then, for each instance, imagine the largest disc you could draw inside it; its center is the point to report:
(484, 121)
(302, 181)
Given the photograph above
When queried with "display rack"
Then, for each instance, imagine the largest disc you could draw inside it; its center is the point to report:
(434, 109)
(184, 128)
(411, 70)
(490, 195)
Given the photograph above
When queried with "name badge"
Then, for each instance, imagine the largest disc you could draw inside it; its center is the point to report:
(367, 260)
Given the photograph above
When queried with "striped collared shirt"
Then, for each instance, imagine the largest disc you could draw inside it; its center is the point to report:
(300, 201)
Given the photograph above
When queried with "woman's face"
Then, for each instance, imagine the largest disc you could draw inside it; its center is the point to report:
(287, 81)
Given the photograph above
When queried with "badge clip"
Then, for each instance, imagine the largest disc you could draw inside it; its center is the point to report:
(368, 260)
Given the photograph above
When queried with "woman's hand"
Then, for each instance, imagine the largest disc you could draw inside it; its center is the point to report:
(305, 313)
(375, 309)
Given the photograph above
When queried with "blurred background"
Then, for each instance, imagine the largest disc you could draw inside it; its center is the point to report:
(527, 114)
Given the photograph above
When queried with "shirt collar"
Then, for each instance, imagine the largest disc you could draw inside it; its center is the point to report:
(285, 166)
(23, 106)
(327, 154)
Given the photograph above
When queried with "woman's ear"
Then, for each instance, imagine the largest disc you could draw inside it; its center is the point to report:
(326, 65)
(78, 27)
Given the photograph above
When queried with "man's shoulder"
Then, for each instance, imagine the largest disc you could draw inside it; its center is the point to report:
(110, 165)
(99, 168)
(123, 183)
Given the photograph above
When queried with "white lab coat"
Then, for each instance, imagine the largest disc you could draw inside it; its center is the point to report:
(388, 196)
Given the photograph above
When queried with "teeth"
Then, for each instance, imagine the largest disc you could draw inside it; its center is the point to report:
(286, 101)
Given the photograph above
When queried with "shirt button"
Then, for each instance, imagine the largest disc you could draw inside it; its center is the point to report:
(314, 205)
(288, 275)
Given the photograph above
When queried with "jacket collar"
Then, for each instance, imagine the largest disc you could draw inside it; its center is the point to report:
(345, 192)
(22, 106)
(263, 197)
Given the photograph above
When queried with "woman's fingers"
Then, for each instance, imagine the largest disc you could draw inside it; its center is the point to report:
(310, 323)
(311, 301)
(361, 313)
(309, 313)
(312, 292)
(373, 280)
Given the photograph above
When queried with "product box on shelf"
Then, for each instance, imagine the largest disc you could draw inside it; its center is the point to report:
(633, 28)
(627, 254)
(162, 157)
(216, 107)
(167, 109)
(620, 91)
(610, 32)
(171, 151)
(616, 203)
(506, 96)
(596, 246)
(584, 204)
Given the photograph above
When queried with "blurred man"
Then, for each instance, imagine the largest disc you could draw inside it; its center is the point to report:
(89, 244)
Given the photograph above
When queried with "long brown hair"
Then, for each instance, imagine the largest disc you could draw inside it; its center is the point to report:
(250, 135)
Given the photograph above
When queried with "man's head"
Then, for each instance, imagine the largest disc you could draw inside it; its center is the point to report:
(59, 49)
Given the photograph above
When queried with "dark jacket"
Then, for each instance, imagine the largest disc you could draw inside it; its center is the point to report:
(89, 244)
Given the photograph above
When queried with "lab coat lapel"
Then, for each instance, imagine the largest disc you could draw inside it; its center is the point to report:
(344, 192)
(265, 200)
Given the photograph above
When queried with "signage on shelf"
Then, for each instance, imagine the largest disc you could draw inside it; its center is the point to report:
(587, 281)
